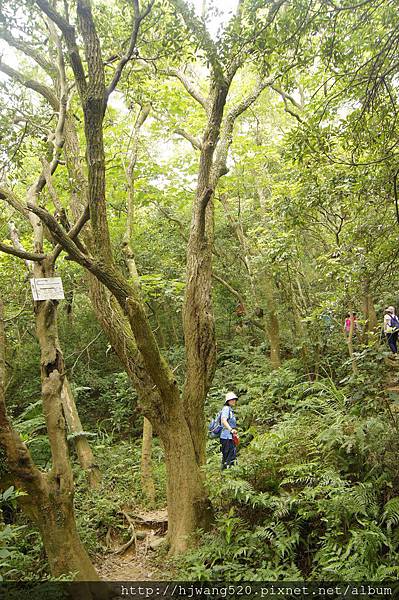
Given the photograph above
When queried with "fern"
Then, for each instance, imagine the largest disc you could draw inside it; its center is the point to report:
(391, 513)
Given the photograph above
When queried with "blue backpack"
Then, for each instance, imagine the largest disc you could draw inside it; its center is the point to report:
(394, 321)
(215, 426)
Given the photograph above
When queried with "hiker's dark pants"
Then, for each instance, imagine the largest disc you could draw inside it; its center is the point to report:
(392, 339)
(229, 453)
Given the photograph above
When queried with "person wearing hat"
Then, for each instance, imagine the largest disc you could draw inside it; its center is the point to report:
(391, 328)
(229, 422)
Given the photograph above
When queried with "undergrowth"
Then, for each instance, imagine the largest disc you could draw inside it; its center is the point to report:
(315, 492)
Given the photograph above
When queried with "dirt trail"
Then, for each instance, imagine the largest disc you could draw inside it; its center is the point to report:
(137, 563)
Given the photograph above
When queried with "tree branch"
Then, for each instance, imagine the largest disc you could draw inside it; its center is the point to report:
(230, 288)
(11, 199)
(226, 137)
(188, 85)
(196, 144)
(74, 232)
(21, 253)
(286, 96)
(29, 51)
(32, 84)
(61, 236)
(245, 103)
(200, 32)
(70, 39)
(138, 18)
(49, 183)
(18, 246)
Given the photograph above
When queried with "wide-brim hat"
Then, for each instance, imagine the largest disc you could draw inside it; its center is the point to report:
(231, 396)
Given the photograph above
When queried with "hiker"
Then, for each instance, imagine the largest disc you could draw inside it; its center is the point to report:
(347, 325)
(391, 329)
(229, 423)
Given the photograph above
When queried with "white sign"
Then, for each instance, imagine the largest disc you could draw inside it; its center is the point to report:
(47, 288)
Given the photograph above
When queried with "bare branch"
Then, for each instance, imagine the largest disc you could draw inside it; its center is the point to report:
(32, 84)
(196, 144)
(29, 50)
(11, 199)
(21, 253)
(188, 85)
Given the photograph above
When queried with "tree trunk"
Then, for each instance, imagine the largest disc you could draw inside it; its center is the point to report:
(71, 414)
(56, 515)
(82, 446)
(182, 491)
(56, 522)
(349, 341)
(49, 499)
(370, 316)
(198, 317)
(188, 503)
(147, 480)
(271, 321)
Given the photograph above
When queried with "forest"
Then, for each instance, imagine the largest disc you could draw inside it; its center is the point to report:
(199, 211)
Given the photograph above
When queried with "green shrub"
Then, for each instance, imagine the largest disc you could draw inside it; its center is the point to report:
(314, 493)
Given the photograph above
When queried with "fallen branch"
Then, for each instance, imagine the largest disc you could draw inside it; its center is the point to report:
(133, 538)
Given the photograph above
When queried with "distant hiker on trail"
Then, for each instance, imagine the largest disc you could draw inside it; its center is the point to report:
(228, 436)
(347, 325)
(391, 329)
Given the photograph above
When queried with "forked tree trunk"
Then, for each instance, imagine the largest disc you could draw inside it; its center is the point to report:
(184, 492)
(188, 502)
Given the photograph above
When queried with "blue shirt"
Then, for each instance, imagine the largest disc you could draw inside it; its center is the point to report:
(227, 413)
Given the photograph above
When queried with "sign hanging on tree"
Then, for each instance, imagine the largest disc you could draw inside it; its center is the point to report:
(47, 288)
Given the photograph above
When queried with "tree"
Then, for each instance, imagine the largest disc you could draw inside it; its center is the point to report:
(177, 419)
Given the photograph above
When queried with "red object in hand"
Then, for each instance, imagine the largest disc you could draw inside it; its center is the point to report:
(236, 439)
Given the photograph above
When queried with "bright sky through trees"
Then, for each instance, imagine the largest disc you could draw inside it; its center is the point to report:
(224, 7)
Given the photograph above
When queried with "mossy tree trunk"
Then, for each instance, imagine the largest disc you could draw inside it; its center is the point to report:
(49, 500)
